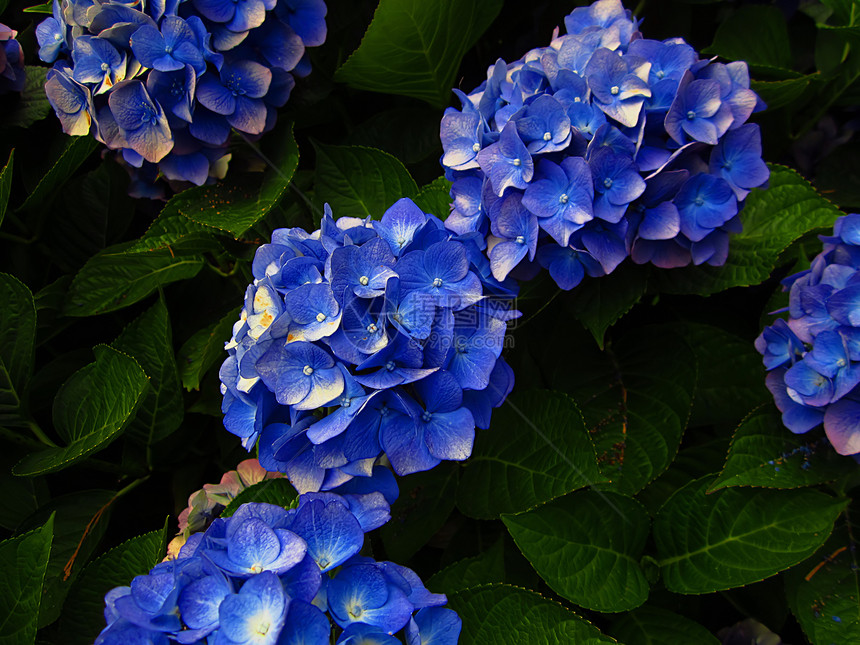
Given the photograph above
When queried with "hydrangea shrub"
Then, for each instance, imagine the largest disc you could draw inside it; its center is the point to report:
(165, 84)
(600, 146)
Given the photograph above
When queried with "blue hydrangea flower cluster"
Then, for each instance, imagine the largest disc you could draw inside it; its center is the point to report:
(166, 82)
(601, 146)
(270, 575)
(12, 71)
(814, 358)
(367, 337)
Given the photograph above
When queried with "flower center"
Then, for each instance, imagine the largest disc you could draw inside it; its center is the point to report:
(426, 416)
(307, 370)
(547, 136)
(364, 280)
(520, 239)
(614, 90)
(390, 366)
(476, 147)
(437, 282)
(661, 74)
(607, 182)
(105, 67)
(691, 115)
(563, 198)
(371, 328)
(517, 162)
(320, 317)
(699, 201)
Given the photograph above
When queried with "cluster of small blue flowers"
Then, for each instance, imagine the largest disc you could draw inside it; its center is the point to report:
(164, 82)
(12, 72)
(814, 358)
(603, 145)
(367, 337)
(267, 575)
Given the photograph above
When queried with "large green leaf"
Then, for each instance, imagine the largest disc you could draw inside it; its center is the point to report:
(599, 304)
(764, 453)
(635, 397)
(735, 536)
(435, 198)
(83, 614)
(756, 34)
(656, 626)
(486, 568)
(360, 182)
(80, 520)
(730, 379)
(414, 47)
(33, 104)
(426, 500)
(269, 491)
(587, 546)
(536, 449)
(149, 340)
(504, 615)
(773, 218)
(23, 560)
(117, 278)
(73, 155)
(240, 201)
(171, 228)
(17, 335)
(823, 591)
(91, 409)
(777, 94)
(6, 185)
(203, 349)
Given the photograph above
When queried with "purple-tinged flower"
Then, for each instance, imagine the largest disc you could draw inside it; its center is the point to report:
(170, 49)
(704, 203)
(141, 121)
(255, 615)
(698, 113)
(300, 374)
(72, 101)
(507, 163)
(561, 196)
(237, 15)
(737, 159)
(238, 94)
(619, 85)
(616, 184)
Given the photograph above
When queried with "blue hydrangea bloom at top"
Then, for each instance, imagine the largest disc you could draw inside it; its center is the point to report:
(166, 82)
(601, 146)
(270, 575)
(814, 358)
(367, 337)
(12, 72)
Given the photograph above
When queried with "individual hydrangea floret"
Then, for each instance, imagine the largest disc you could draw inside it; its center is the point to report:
(601, 146)
(12, 71)
(813, 358)
(367, 338)
(273, 575)
(164, 84)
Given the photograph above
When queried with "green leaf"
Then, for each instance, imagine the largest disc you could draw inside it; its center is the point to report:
(823, 591)
(505, 615)
(756, 34)
(23, 560)
(435, 198)
(21, 496)
(536, 449)
(171, 228)
(270, 491)
(587, 547)
(91, 409)
(773, 218)
(656, 626)
(149, 341)
(40, 8)
(843, 10)
(635, 397)
(33, 104)
(488, 567)
(764, 453)
(237, 203)
(731, 376)
(426, 500)
(6, 185)
(410, 133)
(203, 349)
(17, 337)
(83, 614)
(360, 182)
(414, 48)
(599, 304)
(735, 536)
(80, 520)
(73, 155)
(777, 94)
(117, 278)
